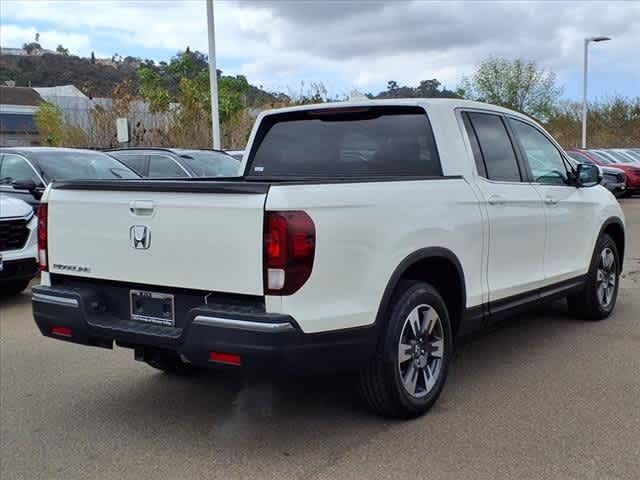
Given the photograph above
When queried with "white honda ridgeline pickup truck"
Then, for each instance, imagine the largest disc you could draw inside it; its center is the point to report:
(362, 236)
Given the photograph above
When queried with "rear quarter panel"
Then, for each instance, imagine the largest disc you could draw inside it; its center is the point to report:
(364, 231)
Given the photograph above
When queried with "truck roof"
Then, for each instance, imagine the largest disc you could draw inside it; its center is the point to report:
(427, 103)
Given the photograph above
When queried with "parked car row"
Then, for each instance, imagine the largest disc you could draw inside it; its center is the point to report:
(625, 160)
(26, 172)
(177, 162)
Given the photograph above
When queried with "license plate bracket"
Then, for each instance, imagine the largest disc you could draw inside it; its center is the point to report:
(152, 307)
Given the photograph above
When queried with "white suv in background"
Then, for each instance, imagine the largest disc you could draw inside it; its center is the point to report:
(18, 242)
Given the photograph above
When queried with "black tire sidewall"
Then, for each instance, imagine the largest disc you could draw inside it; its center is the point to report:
(407, 300)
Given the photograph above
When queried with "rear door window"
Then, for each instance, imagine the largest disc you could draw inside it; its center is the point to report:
(495, 146)
(135, 161)
(164, 166)
(345, 143)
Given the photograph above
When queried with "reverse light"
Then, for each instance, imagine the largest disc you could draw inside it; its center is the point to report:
(43, 222)
(289, 250)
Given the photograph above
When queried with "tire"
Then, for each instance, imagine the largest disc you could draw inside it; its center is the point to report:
(170, 363)
(598, 298)
(381, 382)
(15, 287)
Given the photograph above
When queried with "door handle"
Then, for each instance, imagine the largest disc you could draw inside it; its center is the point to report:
(549, 200)
(496, 200)
(141, 208)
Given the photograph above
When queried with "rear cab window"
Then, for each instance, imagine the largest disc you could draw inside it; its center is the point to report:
(347, 142)
(163, 166)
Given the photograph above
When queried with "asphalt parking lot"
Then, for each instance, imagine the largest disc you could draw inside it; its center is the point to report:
(543, 396)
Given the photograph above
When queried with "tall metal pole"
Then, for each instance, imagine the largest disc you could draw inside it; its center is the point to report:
(213, 77)
(584, 96)
(584, 86)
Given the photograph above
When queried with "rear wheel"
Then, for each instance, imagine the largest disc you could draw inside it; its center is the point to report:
(14, 287)
(598, 298)
(408, 372)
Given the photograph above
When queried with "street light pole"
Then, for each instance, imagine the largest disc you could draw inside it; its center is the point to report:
(213, 77)
(584, 86)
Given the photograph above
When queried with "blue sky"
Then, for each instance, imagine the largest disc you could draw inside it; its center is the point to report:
(349, 45)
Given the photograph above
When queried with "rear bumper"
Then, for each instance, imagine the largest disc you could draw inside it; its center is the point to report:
(262, 340)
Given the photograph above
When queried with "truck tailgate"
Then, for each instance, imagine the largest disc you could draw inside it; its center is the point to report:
(203, 240)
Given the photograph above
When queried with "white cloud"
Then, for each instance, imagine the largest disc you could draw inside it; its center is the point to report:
(16, 36)
(350, 43)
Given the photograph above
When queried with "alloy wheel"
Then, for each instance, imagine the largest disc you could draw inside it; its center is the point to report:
(420, 350)
(606, 278)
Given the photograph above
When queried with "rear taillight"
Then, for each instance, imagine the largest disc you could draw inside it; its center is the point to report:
(289, 249)
(43, 257)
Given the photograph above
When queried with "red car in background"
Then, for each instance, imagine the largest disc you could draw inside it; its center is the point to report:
(631, 170)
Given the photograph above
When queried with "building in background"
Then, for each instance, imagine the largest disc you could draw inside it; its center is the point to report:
(18, 106)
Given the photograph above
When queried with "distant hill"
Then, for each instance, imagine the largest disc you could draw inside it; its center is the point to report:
(50, 70)
(98, 77)
(93, 77)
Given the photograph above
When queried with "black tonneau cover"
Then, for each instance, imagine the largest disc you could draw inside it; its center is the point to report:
(191, 185)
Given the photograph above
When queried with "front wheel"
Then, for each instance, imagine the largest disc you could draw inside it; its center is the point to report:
(408, 372)
(598, 298)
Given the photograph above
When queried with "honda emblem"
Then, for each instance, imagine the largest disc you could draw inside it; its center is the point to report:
(140, 237)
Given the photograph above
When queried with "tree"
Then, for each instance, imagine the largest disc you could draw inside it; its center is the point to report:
(61, 50)
(425, 89)
(31, 47)
(152, 89)
(516, 84)
(611, 122)
(232, 93)
(49, 122)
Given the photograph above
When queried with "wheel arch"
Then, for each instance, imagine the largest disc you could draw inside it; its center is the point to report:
(415, 266)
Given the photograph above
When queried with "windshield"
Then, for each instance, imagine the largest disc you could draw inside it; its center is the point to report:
(79, 164)
(602, 158)
(632, 154)
(578, 157)
(210, 164)
(620, 157)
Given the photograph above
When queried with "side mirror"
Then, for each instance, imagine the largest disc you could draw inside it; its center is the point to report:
(588, 175)
(28, 185)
